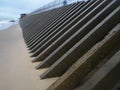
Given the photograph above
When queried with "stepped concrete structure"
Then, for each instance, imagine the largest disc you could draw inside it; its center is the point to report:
(79, 43)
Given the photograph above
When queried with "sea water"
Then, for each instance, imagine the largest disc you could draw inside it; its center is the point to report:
(5, 24)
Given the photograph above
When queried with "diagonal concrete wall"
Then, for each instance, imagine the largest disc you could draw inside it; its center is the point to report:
(72, 41)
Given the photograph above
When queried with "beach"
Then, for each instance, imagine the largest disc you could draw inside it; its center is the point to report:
(17, 72)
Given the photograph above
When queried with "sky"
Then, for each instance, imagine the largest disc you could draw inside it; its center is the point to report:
(11, 9)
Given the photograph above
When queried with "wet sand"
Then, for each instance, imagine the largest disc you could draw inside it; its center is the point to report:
(16, 70)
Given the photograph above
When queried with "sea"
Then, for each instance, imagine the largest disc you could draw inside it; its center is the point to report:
(4, 24)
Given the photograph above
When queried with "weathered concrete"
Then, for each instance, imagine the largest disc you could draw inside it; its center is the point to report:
(77, 42)
(49, 40)
(48, 35)
(55, 18)
(117, 86)
(106, 77)
(50, 16)
(85, 26)
(58, 17)
(57, 23)
(80, 48)
(87, 62)
(57, 29)
(54, 56)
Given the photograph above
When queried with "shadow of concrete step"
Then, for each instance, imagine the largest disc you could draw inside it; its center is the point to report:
(59, 24)
(61, 50)
(55, 24)
(55, 19)
(72, 77)
(62, 25)
(106, 77)
(83, 30)
(80, 48)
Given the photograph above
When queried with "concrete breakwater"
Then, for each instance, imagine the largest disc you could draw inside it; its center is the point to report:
(79, 43)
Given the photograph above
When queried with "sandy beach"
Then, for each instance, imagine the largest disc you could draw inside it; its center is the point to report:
(16, 70)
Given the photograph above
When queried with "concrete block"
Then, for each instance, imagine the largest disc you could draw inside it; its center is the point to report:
(75, 29)
(80, 48)
(87, 62)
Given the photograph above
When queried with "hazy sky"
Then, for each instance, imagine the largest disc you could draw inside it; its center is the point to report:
(12, 8)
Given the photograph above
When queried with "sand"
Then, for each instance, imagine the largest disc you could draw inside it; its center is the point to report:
(16, 70)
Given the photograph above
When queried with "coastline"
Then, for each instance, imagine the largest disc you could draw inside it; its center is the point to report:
(6, 24)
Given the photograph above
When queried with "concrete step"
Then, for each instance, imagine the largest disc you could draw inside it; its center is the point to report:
(65, 26)
(56, 20)
(82, 27)
(59, 23)
(106, 77)
(51, 18)
(48, 17)
(79, 43)
(72, 77)
(60, 51)
(80, 48)
(56, 23)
